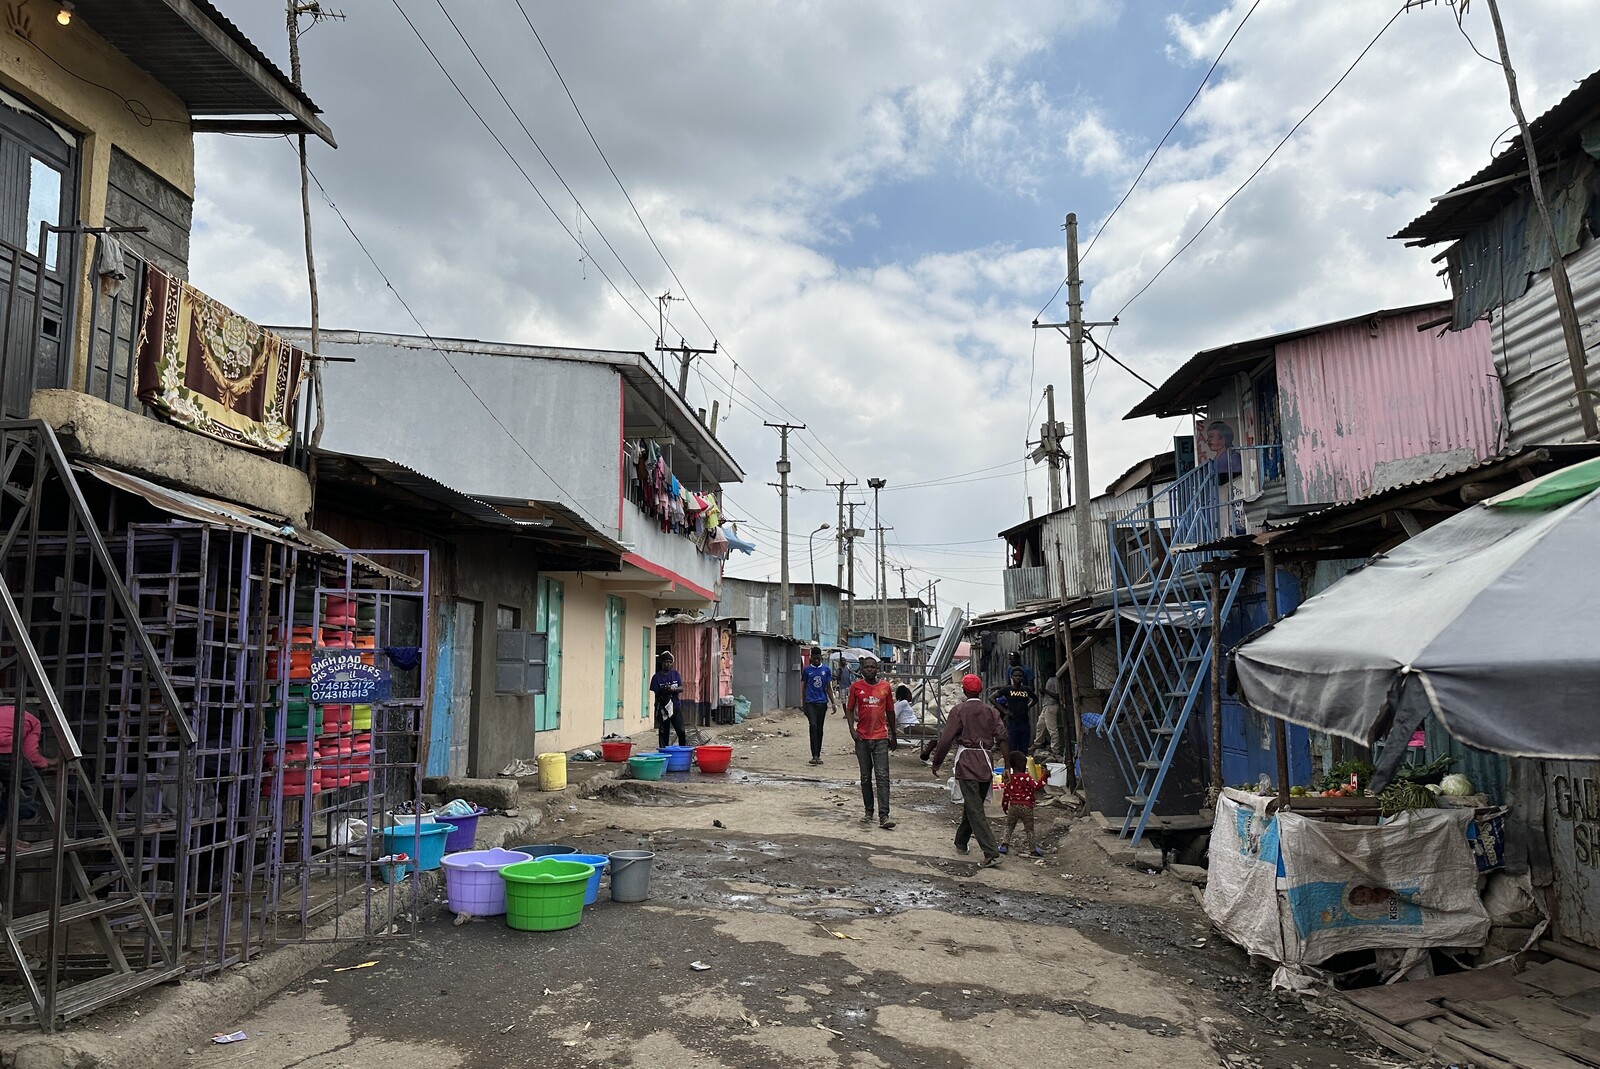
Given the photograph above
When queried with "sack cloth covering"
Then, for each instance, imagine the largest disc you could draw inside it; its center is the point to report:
(1299, 890)
(213, 371)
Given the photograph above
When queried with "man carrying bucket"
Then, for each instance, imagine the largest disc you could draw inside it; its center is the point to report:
(978, 729)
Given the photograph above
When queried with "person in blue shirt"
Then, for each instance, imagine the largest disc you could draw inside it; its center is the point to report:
(667, 686)
(817, 699)
(1016, 663)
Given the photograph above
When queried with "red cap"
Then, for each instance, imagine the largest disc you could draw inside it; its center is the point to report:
(971, 684)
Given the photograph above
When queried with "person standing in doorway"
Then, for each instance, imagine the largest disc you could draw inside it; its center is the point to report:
(817, 698)
(1019, 699)
(868, 712)
(975, 727)
(667, 686)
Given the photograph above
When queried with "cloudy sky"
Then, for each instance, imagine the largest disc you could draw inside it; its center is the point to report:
(864, 201)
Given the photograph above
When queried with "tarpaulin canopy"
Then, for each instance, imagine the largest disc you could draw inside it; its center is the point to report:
(1488, 620)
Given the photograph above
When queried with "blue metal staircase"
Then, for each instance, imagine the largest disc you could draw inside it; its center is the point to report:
(1163, 601)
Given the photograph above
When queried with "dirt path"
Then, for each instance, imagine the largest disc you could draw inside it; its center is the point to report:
(829, 944)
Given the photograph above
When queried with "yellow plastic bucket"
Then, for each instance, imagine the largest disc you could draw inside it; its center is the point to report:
(552, 772)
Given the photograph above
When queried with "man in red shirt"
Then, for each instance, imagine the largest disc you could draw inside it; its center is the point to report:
(867, 713)
(977, 727)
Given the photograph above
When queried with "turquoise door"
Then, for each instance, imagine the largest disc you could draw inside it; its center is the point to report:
(547, 618)
(616, 613)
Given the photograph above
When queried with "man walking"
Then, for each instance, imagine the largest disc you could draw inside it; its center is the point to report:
(817, 698)
(867, 712)
(976, 727)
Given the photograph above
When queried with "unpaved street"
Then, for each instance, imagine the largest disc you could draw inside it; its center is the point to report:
(830, 944)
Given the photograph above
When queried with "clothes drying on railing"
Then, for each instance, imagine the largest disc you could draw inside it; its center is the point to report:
(212, 371)
(678, 509)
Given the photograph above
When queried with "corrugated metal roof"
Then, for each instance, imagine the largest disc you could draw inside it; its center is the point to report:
(1353, 397)
(222, 513)
(1192, 384)
(204, 59)
(1453, 216)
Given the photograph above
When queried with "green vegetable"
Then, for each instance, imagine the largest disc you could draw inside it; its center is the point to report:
(1403, 796)
(1456, 785)
(1339, 774)
(1432, 772)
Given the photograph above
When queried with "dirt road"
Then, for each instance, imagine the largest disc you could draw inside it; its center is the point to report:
(829, 944)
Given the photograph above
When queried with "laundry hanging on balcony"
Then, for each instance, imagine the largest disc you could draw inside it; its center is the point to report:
(212, 371)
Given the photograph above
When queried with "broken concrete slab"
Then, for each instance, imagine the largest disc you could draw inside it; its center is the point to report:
(1195, 874)
(489, 793)
(1148, 857)
(1118, 850)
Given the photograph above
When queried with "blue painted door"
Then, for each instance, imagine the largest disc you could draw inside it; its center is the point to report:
(439, 711)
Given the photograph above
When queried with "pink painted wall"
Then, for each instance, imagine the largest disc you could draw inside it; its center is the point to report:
(1355, 396)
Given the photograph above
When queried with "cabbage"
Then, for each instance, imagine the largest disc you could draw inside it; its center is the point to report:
(1457, 786)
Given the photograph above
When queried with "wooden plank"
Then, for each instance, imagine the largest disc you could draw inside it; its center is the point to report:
(1513, 1047)
(1413, 1001)
(1398, 1040)
(1560, 977)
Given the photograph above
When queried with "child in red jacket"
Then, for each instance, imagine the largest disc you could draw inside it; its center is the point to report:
(1018, 790)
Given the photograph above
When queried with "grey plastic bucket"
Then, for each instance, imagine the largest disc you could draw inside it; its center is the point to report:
(630, 875)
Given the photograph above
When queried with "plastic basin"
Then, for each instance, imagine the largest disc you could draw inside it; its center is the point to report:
(424, 842)
(545, 895)
(678, 757)
(472, 880)
(466, 831)
(545, 850)
(648, 766)
(713, 758)
(616, 752)
(600, 863)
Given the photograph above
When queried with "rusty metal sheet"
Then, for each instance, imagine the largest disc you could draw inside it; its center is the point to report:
(1365, 393)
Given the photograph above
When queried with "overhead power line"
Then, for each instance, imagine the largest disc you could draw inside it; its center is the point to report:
(518, 165)
(1262, 166)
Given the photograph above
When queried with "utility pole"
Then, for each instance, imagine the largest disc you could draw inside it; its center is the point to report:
(682, 350)
(1082, 500)
(843, 535)
(883, 585)
(783, 430)
(877, 486)
(851, 534)
(1559, 283)
(295, 9)
(1049, 449)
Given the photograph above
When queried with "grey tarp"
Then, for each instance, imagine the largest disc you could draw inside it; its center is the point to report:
(1490, 619)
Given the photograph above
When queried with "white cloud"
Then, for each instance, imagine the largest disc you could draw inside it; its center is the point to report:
(744, 132)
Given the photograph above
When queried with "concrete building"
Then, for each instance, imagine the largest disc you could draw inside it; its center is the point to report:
(903, 619)
(554, 438)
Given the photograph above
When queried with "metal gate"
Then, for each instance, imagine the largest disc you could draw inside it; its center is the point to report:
(342, 769)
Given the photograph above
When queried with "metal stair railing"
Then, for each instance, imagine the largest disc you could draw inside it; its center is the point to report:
(1162, 600)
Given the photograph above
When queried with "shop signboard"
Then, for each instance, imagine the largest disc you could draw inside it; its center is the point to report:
(346, 678)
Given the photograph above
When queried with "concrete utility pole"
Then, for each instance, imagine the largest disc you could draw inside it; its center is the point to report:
(682, 350)
(850, 535)
(1081, 498)
(877, 515)
(1050, 434)
(783, 430)
(1559, 283)
(1075, 327)
(842, 534)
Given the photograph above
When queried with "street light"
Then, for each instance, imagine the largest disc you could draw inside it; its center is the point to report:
(816, 622)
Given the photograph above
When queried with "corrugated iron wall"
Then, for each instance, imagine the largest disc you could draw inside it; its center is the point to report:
(1356, 396)
(1059, 539)
(1532, 355)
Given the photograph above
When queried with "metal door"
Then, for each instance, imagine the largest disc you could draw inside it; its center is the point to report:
(443, 694)
(463, 687)
(644, 671)
(616, 612)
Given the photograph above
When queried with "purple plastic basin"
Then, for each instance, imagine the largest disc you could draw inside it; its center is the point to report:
(472, 880)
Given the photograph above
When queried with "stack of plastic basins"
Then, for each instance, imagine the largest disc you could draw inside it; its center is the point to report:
(327, 746)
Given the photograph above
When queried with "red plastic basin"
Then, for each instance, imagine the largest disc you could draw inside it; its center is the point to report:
(616, 751)
(713, 758)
